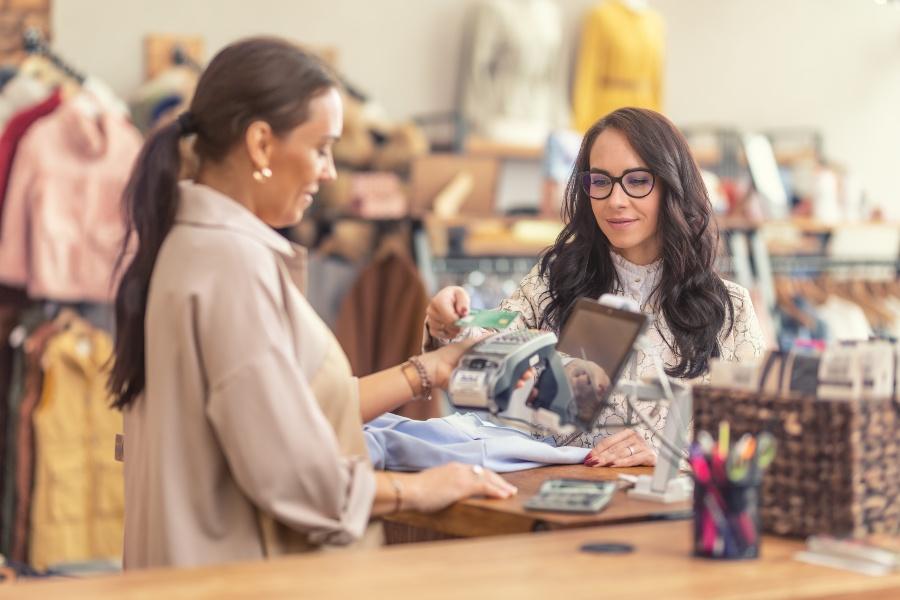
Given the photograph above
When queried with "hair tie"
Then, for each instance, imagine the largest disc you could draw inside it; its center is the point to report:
(187, 124)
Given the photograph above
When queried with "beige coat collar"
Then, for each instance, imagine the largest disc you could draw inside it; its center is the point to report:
(203, 206)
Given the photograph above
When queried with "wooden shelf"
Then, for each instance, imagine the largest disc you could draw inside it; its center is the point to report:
(478, 146)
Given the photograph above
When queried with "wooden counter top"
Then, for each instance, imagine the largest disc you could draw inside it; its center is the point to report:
(538, 565)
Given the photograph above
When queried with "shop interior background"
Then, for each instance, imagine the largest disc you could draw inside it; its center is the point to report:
(831, 65)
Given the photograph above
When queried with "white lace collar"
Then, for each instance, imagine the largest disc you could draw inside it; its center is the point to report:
(637, 281)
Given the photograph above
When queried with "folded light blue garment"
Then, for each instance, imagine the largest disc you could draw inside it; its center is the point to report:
(399, 444)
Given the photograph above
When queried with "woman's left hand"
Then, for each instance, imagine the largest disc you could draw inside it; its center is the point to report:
(626, 448)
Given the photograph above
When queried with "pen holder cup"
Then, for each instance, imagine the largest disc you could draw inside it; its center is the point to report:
(726, 520)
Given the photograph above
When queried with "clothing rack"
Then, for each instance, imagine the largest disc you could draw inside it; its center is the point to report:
(824, 264)
(34, 43)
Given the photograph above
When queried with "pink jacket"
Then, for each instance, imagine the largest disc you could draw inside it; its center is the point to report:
(63, 221)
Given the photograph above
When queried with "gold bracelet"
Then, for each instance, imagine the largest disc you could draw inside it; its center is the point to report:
(398, 492)
(425, 393)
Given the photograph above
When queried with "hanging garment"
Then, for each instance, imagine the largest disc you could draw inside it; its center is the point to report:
(512, 84)
(6, 74)
(12, 302)
(15, 130)
(619, 64)
(105, 98)
(19, 93)
(63, 224)
(32, 391)
(892, 304)
(78, 506)
(400, 444)
(331, 277)
(380, 321)
(27, 345)
(168, 92)
(845, 320)
(792, 330)
(247, 441)
(560, 153)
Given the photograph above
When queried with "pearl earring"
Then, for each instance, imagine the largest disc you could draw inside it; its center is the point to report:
(262, 174)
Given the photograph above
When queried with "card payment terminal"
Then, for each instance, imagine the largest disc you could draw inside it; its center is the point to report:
(487, 374)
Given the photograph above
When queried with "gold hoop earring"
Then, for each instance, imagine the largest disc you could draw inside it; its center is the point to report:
(262, 174)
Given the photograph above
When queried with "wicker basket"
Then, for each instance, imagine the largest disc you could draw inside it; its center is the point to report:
(837, 469)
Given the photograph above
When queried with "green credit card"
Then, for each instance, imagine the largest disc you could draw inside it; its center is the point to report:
(488, 319)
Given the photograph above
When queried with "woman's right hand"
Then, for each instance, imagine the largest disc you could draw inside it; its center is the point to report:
(438, 487)
(448, 306)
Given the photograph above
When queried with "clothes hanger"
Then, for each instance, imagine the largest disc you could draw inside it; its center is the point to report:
(45, 65)
(870, 303)
(66, 318)
(395, 242)
(893, 287)
(813, 290)
(350, 239)
(845, 290)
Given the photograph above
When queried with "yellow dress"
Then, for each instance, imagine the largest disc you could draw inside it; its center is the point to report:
(620, 62)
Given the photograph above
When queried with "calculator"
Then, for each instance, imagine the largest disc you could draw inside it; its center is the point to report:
(572, 495)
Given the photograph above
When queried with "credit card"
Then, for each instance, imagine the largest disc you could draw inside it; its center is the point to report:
(488, 319)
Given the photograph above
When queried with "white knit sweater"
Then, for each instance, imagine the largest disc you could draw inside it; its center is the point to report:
(744, 341)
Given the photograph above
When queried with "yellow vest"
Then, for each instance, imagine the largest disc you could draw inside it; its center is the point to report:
(78, 504)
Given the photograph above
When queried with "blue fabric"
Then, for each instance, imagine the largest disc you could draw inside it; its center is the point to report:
(399, 444)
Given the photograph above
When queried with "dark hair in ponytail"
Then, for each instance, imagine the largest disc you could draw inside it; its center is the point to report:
(258, 79)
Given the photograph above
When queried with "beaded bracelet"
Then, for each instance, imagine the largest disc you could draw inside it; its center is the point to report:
(425, 393)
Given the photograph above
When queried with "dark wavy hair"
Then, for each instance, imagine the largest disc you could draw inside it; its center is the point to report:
(690, 295)
(254, 79)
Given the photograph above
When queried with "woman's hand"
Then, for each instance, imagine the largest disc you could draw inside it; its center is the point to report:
(589, 382)
(625, 448)
(586, 373)
(438, 487)
(448, 306)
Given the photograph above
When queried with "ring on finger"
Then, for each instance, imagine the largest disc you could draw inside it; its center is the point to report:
(478, 470)
(631, 451)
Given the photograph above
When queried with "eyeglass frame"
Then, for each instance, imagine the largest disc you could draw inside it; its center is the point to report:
(615, 180)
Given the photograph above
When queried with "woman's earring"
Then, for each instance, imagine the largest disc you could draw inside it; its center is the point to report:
(262, 174)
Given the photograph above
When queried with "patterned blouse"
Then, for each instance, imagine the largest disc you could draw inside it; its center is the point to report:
(744, 341)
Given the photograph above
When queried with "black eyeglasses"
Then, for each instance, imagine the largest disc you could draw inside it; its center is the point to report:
(637, 183)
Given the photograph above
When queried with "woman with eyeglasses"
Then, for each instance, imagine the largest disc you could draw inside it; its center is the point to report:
(638, 223)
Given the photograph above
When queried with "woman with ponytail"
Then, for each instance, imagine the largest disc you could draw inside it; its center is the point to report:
(243, 422)
(638, 222)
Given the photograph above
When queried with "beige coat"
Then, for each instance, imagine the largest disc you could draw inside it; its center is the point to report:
(247, 441)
